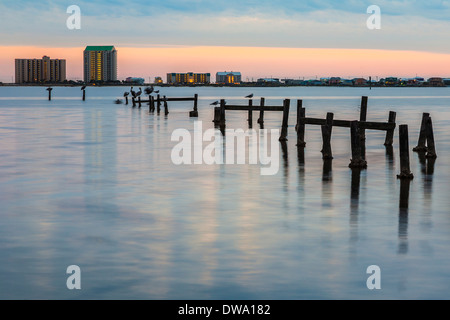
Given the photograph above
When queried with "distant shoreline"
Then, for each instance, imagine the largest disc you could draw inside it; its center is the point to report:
(251, 85)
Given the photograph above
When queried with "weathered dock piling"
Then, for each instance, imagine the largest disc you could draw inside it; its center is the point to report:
(326, 137)
(390, 132)
(431, 148)
(284, 125)
(363, 116)
(166, 107)
(405, 171)
(139, 101)
(357, 161)
(194, 113)
(158, 104)
(84, 94)
(300, 127)
(261, 111)
(421, 144)
(250, 113)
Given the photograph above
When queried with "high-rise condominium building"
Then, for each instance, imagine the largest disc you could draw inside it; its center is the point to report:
(100, 64)
(40, 70)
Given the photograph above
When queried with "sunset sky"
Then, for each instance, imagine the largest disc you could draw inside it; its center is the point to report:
(289, 38)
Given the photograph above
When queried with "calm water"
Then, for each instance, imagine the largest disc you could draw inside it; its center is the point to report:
(92, 184)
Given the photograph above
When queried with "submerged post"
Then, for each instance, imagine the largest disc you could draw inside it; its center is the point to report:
(421, 144)
(301, 113)
(363, 116)
(326, 137)
(405, 171)
(261, 111)
(357, 161)
(194, 113)
(390, 132)
(49, 93)
(431, 148)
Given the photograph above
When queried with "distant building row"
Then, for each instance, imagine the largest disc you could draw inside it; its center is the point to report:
(203, 78)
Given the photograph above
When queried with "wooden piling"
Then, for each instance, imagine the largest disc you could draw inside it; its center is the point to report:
(421, 144)
(49, 94)
(405, 171)
(216, 115)
(357, 161)
(431, 148)
(126, 100)
(194, 113)
(133, 100)
(390, 132)
(363, 116)
(139, 101)
(261, 111)
(250, 114)
(158, 104)
(326, 137)
(222, 112)
(166, 107)
(284, 125)
(300, 127)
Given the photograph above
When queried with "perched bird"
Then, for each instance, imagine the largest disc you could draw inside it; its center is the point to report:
(215, 103)
(148, 90)
(139, 92)
(83, 87)
(157, 91)
(250, 96)
(133, 93)
(118, 101)
(49, 89)
(126, 94)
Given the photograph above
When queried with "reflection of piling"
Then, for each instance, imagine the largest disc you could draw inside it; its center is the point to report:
(139, 101)
(326, 137)
(284, 126)
(363, 116)
(390, 132)
(326, 171)
(300, 127)
(355, 183)
(421, 144)
(404, 193)
(133, 100)
(431, 148)
(261, 112)
(405, 171)
(357, 161)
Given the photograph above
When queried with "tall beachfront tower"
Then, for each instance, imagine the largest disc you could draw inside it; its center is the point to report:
(100, 63)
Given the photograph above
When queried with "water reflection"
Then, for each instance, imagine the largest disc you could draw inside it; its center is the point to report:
(403, 216)
(284, 151)
(354, 203)
(327, 177)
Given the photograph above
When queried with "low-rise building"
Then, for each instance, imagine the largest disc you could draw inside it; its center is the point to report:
(228, 77)
(436, 82)
(135, 80)
(188, 78)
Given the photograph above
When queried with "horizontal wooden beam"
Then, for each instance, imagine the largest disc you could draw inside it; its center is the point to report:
(252, 108)
(347, 123)
(169, 99)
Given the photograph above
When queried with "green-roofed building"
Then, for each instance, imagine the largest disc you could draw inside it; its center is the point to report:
(100, 64)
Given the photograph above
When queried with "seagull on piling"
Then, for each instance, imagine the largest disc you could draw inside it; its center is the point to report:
(249, 96)
(157, 91)
(83, 87)
(125, 94)
(215, 103)
(49, 89)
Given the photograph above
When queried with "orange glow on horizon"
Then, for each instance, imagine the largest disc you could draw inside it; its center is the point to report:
(250, 61)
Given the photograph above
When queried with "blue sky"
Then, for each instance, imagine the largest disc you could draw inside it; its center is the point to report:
(406, 25)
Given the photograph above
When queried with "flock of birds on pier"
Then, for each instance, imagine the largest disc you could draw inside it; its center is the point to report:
(215, 103)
